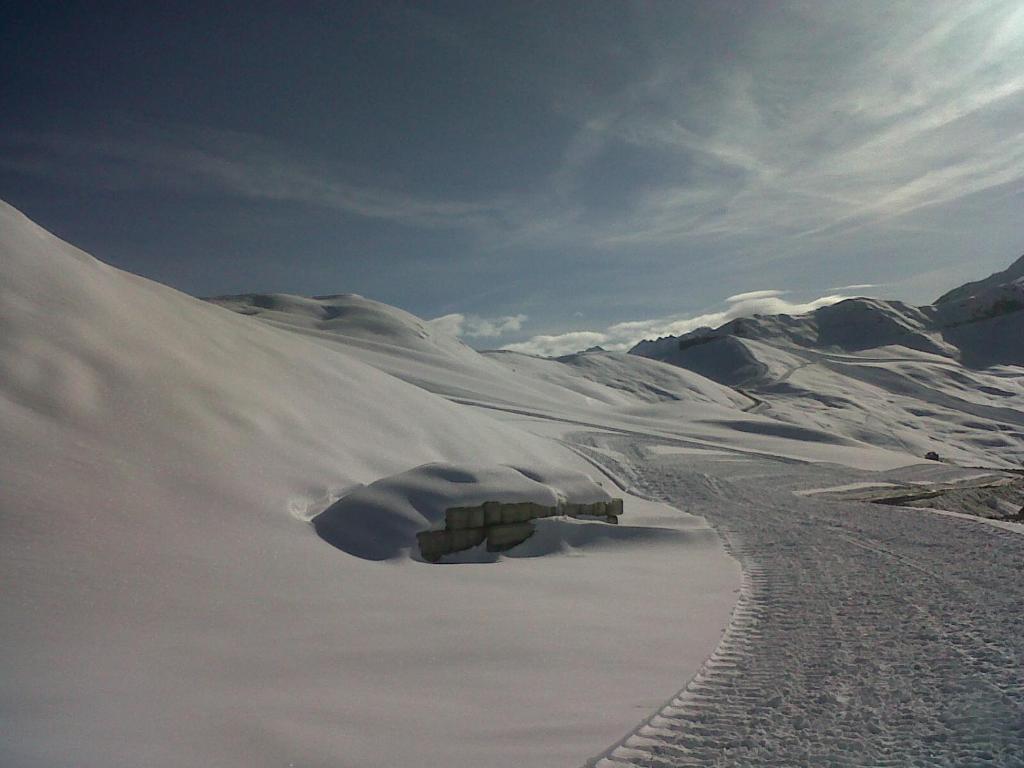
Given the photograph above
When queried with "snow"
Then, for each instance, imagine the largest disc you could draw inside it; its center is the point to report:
(410, 349)
(685, 449)
(169, 602)
(592, 390)
(889, 379)
(845, 487)
(380, 521)
(1011, 274)
(1004, 525)
(864, 634)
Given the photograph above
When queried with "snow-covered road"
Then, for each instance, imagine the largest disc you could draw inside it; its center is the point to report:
(865, 635)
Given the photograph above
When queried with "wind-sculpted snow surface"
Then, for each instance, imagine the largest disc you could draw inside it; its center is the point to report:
(166, 603)
(865, 636)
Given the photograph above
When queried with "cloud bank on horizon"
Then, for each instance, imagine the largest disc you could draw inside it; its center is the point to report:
(625, 335)
(607, 160)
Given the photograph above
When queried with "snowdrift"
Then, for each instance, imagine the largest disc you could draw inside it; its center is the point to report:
(381, 520)
(167, 603)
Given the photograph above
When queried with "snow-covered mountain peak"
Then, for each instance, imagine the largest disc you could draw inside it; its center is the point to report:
(979, 324)
(1012, 274)
(850, 325)
(947, 375)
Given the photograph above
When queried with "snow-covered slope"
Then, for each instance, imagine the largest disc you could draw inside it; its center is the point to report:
(1012, 274)
(166, 601)
(176, 387)
(944, 378)
(410, 349)
(633, 379)
(984, 320)
(349, 316)
(590, 389)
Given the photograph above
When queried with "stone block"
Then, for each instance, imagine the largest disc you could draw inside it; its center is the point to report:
(457, 518)
(571, 509)
(492, 512)
(434, 544)
(538, 510)
(467, 538)
(588, 510)
(502, 537)
(516, 512)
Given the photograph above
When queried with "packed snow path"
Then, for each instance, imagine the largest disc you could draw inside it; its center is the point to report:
(865, 635)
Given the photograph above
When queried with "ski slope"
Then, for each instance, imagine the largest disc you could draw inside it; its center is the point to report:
(865, 634)
(168, 600)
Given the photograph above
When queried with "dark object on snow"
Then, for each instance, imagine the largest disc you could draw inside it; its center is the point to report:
(932, 456)
(502, 525)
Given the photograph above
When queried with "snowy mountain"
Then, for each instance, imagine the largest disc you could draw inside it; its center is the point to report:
(409, 348)
(1012, 274)
(946, 377)
(209, 512)
(166, 601)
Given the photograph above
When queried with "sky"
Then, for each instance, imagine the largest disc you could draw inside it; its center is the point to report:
(539, 176)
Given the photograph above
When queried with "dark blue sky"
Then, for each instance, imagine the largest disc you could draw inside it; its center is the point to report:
(602, 170)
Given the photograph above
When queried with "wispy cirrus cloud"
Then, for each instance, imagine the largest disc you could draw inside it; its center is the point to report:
(858, 126)
(855, 127)
(136, 155)
(706, 143)
(624, 335)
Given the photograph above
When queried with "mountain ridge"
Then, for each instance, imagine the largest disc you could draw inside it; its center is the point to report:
(862, 323)
(946, 378)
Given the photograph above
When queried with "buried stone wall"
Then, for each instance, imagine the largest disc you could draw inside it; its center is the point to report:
(501, 525)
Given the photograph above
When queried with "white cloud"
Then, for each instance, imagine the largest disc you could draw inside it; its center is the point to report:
(559, 344)
(476, 327)
(919, 114)
(623, 336)
(448, 324)
(855, 287)
(754, 295)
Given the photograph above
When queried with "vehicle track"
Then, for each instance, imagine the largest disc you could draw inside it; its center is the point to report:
(863, 636)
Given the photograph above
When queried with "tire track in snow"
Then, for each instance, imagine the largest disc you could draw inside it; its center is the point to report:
(862, 636)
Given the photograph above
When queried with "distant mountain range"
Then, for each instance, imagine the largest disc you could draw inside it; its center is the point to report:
(978, 324)
(945, 375)
(163, 457)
